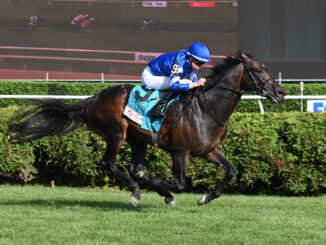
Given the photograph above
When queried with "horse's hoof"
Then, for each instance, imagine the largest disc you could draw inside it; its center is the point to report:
(171, 201)
(134, 201)
(202, 199)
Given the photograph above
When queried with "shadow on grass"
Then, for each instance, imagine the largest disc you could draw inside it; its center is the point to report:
(57, 203)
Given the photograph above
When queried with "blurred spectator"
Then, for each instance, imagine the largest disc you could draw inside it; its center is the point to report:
(78, 18)
(82, 21)
(146, 24)
(149, 24)
(86, 21)
(33, 21)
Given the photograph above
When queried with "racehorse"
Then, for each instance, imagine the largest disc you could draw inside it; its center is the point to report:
(193, 126)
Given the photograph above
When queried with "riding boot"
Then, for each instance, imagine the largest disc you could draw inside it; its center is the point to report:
(156, 111)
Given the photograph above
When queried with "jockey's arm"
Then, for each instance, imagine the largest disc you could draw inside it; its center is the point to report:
(177, 86)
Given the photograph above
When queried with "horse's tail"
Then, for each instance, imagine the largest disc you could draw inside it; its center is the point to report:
(47, 118)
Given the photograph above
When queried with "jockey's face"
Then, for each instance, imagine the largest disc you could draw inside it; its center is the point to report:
(196, 64)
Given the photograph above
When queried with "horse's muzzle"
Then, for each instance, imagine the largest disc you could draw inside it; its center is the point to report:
(277, 96)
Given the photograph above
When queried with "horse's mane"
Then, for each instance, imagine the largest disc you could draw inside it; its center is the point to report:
(221, 69)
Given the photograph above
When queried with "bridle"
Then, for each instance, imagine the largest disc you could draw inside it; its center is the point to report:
(252, 75)
(260, 90)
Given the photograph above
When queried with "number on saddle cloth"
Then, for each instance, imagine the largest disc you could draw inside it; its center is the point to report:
(146, 96)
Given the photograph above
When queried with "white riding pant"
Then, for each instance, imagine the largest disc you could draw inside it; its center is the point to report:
(158, 82)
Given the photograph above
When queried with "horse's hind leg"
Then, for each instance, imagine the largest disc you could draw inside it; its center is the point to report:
(217, 158)
(108, 162)
(179, 168)
(137, 169)
(138, 151)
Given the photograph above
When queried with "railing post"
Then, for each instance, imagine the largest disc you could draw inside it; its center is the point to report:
(301, 91)
(102, 77)
(47, 76)
(261, 106)
(280, 77)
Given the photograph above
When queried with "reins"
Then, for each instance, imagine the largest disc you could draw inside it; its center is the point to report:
(186, 107)
(210, 112)
(203, 93)
(239, 93)
(258, 90)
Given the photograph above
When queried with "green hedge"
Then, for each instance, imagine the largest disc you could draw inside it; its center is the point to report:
(87, 88)
(278, 153)
(15, 159)
(286, 105)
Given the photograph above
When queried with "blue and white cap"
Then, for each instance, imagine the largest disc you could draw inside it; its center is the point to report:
(199, 52)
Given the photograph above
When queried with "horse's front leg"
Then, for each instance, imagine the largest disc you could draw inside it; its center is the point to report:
(217, 158)
(179, 169)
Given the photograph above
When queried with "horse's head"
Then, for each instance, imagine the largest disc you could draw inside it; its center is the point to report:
(257, 78)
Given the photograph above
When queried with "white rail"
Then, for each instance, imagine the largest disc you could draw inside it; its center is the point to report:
(47, 79)
(246, 97)
(289, 97)
(16, 96)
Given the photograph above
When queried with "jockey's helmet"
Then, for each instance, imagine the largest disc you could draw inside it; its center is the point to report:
(199, 52)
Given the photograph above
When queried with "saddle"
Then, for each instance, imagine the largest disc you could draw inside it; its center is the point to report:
(140, 102)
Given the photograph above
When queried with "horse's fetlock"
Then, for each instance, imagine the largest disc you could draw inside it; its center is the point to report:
(215, 194)
(135, 190)
(134, 170)
(140, 174)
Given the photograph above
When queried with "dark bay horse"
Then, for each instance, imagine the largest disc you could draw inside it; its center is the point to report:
(199, 131)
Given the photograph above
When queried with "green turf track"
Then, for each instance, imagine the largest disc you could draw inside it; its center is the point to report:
(63, 215)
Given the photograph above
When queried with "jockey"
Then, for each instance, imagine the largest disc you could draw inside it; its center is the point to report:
(176, 72)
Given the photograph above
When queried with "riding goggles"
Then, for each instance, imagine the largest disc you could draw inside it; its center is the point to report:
(198, 62)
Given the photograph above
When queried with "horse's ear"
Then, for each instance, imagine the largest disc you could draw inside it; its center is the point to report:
(238, 54)
(242, 56)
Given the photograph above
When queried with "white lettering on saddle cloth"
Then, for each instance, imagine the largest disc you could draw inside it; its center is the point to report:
(137, 118)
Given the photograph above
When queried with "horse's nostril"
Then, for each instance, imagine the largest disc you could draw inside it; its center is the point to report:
(281, 93)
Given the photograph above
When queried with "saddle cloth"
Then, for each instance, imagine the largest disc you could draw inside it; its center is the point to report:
(141, 100)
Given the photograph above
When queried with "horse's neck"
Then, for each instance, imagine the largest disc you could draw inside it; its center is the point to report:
(223, 102)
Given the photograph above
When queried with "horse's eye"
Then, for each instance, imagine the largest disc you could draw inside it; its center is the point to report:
(258, 70)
